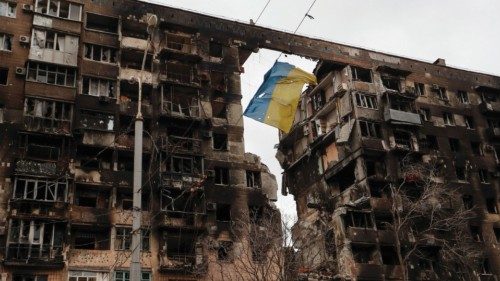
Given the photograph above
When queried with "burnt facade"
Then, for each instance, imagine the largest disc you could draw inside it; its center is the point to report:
(347, 151)
(66, 129)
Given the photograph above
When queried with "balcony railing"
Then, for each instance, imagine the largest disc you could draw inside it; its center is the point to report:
(181, 144)
(34, 255)
(47, 125)
(36, 168)
(175, 109)
(402, 117)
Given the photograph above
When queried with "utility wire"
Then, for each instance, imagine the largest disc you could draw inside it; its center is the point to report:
(261, 12)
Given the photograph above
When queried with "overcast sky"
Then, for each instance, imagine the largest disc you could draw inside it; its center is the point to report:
(464, 32)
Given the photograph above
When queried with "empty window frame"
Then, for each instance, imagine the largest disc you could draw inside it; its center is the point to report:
(361, 74)
(253, 179)
(420, 88)
(403, 139)
(391, 82)
(223, 212)
(102, 23)
(366, 100)
(468, 201)
(97, 120)
(59, 8)
(183, 165)
(145, 242)
(30, 277)
(370, 129)
(46, 39)
(40, 189)
(431, 142)
(8, 9)
(448, 119)
(476, 233)
(441, 93)
(491, 205)
(91, 239)
(364, 253)
(476, 148)
(215, 50)
(51, 74)
(4, 75)
(29, 239)
(5, 42)
(454, 144)
(100, 53)
(469, 122)
(318, 100)
(220, 141)
(43, 115)
(460, 173)
(425, 114)
(123, 239)
(463, 97)
(484, 176)
(221, 176)
(98, 87)
(358, 219)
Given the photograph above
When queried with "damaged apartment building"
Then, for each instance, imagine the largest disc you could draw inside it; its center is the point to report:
(346, 162)
(67, 107)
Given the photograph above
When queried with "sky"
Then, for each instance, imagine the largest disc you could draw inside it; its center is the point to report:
(466, 33)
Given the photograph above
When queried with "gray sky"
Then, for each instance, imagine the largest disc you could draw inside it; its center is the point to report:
(465, 33)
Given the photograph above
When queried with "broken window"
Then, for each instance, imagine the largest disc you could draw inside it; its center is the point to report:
(125, 276)
(218, 81)
(484, 176)
(30, 239)
(102, 23)
(180, 101)
(425, 114)
(361, 74)
(403, 139)
(379, 189)
(8, 9)
(215, 49)
(344, 178)
(54, 41)
(219, 109)
(100, 53)
(463, 97)
(123, 238)
(454, 144)
(51, 74)
(375, 168)
(59, 8)
(224, 252)
(383, 221)
(389, 255)
(491, 205)
(468, 201)
(476, 148)
(220, 141)
(40, 189)
(223, 212)
(179, 42)
(358, 219)
(5, 42)
(392, 83)
(460, 172)
(430, 142)
(4, 74)
(145, 244)
(476, 233)
(29, 277)
(221, 176)
(90, 239)
(253, 179)
(97, 120)
(47, 116)
(420, 89)
(364, 253)
(370, 129)
(469, 122)
(94, 198)
(441, 93)
(124, 200)
(366, 100)
(318, 100)
(98, 87)
(182, 165)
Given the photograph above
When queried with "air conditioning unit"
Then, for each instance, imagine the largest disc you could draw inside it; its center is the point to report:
(210, 173)
(24, 39)
(27, 8)
(20, 71)
(211, 206)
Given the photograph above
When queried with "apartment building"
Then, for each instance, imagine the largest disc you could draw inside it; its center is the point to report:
(68, 102)
(345, 163)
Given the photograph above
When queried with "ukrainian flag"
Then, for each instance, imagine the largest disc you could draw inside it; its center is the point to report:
(277, 98)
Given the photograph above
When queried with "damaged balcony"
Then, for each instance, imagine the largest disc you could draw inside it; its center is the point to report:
(403, 141)
(490, 100)
(54, 47)
(180, 46)
(182, 171)
(35, 244)
(97, 128)
(359, 227)
(180, 102)
(129, 98)
(181, 209)
(179, 73)
(181, 253)
(91, 205)
(180, 144)
(46, 116)
(366, 262)
(400, 111)
(125, 140)
(130, 67)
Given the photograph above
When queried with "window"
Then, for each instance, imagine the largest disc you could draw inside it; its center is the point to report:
(225, 250)
(82, 276)
(391, 82)
(476, 234)
(220, 141)
(30, 239)
(469, 122)
(123, 238)
(54, 41)
(96, 120)
(425, 114)
(463, 97)
(182, 165)
(441, 93)
(364, 253)
(145, 245)
(491, 205)
(358, 219)
(221, 176)
(223, 212)
(125, 276)
(59, 8)
(219, 109)
(7, 9)
(370, 129)
(366, 101)
(454, 144)
(476, 148)
(102, 23)
(98, 87)
(30, 277)
(460, 172)
(420, 89)
(47, 116)
(4, 74)
(100, 53)
(484, 176)
(253, 179)
(318, 100)
(215, 50)
(5, 42)
(51, 74)
(361, 74)
(448, 119)
(468, 201)
(40, 189)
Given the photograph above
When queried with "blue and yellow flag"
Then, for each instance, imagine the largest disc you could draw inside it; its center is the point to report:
(276, 99)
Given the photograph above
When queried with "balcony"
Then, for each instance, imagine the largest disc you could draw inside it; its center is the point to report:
(89, 215)
(490, 108)
(398, 117)
(32, 209)
(180, 181)
(183, 264)
(180, 220)
(365, 235)
(34, 256)
(179, 110)
(133, 43)
(369, 271)
(126, 142)
(30, 167)
(394, 272)
(147, 77)
(179, 144)
(47, 125)
(180, 47)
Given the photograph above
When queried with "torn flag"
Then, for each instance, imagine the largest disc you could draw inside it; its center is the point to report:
(276, 99)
